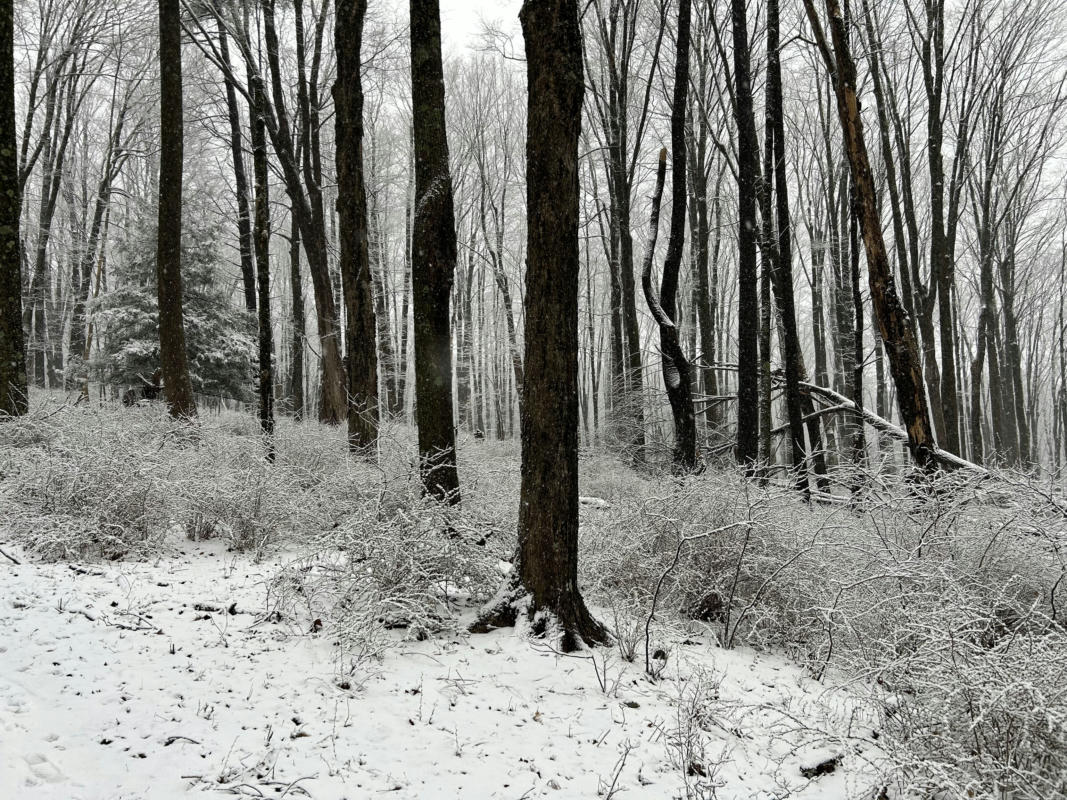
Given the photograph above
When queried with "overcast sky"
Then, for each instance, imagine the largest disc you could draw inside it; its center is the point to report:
(461, 19)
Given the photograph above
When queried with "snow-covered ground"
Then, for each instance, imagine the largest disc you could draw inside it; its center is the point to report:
(113, 684)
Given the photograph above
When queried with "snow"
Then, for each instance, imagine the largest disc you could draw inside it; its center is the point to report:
(113, 685)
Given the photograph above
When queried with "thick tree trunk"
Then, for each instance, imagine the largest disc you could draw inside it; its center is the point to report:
(360, 328)
(14, 398)
(172, 354)
(434, 258)
(546, 576)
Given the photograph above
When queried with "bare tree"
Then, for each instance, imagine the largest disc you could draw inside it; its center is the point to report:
(360, 327)
(433, 257)
(13, 390)
(748, 303)
(893, 321)
(173, 358)
(544, 583)
(677, 372)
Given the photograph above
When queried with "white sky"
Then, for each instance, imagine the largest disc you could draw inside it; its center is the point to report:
(461, 19)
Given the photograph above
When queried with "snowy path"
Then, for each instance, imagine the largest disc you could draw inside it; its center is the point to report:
(113, 686)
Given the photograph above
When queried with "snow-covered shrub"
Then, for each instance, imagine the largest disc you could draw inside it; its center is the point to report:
(395, 565)
(941, 603)
(80, 486)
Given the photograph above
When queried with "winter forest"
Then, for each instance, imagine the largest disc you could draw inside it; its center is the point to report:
(536, 398)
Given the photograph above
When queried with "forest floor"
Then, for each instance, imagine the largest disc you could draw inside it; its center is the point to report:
(166, 678)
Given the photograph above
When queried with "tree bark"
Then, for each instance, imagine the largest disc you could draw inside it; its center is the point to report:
(14, 398)
(783, 273)
(240, 180)
(748, 301)
(545, 582)
(433, 258)
(893, 325)
(296, 290)
(261, 245)
(309, 212)
(360, 327)
(173, 358)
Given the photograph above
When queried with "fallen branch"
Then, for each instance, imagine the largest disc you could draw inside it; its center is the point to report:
(843, 404)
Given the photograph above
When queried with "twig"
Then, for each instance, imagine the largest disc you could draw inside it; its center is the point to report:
(663, 576)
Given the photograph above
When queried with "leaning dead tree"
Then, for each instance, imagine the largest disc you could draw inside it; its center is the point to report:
(893, 323)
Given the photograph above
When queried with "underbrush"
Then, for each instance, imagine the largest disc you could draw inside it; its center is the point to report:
(940, 605)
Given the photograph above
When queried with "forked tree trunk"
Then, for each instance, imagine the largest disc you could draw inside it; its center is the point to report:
(172, 354)
(677, 372)
(360, 328)
(545, 580)
(433, 258)
(14, 399)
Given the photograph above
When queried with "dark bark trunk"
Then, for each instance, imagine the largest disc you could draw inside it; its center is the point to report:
(699, 249)
(332, 402)
(360, 328)
(892, 318)
(677, 372)
(434, 258)
(261, 245)
(240, 181)
(14, 399)
(546, 576)
(172, 354)
(296, 289)
(748, 302)
(783, 276)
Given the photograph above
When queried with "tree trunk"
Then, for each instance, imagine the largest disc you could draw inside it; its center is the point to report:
(14, 398)
(173, 358)
(261, 244)
(793, 356)
(677, 372)
(333, 404)
(296, 289)
(748, 301)
(546, 576)
(893, 325)
(240, 181)
(360, 328)
(434, 258)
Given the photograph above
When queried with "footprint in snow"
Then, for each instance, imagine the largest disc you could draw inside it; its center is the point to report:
(43, 769)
